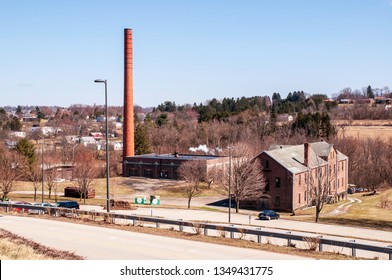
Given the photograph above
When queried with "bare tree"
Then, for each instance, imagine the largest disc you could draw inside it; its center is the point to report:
(84, 173)
(248, 179)
(244, 176)
(320, 186)
(12, 169)
(193, 172)
(35, 176)
(50, 176)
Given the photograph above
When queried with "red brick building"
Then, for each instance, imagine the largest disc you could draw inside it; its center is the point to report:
(291, 172)
(165, 166)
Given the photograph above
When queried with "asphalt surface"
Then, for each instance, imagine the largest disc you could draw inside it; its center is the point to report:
(98, 243)
(249, 218)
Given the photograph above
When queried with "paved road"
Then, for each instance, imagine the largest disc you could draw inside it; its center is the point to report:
(243, 219)
(342, 233)
(109, 244)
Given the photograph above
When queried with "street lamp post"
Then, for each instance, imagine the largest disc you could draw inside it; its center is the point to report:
(107, 144)
(230, 175)
(229, 186)
(42, 170)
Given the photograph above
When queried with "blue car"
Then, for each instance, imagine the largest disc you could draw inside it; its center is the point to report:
(268, 215)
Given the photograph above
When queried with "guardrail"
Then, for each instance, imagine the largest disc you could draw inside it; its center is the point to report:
(201, 226)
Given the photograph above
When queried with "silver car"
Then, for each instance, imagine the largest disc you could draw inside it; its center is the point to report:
(39, 211)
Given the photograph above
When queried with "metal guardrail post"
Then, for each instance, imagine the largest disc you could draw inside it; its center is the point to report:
(353, 250)
(205, 230)
(288, 239)
(232, 233)
(320, 243)
(258, 236)
(180, 226)
(92, 215)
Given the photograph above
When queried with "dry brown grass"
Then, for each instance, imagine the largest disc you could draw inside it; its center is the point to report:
(364, 132)
(13, 247)
(368, 213)
(364, 122)
(363, 129)
(121, 188)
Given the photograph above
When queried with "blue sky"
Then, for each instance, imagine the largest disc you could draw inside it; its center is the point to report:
(190, 51)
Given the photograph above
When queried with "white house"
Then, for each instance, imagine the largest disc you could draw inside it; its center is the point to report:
(19, 134)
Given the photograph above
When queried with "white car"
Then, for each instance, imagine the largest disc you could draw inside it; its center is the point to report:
(39, 211)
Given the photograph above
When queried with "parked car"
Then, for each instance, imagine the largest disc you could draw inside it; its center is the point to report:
(19, 209)
(39, 211)
(268, 215)
(68, 204)
(359, 190)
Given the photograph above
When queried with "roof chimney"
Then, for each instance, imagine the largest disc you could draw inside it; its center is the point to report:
(306, 154)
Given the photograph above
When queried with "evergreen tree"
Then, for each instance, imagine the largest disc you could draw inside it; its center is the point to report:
(369, 92)
(162, 119)
(25, 148)
(142, 145)
(14, 124)
(314, 125)
(19, 110)
(276, 97)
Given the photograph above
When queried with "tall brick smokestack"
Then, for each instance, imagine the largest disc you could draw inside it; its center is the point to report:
(128, 128)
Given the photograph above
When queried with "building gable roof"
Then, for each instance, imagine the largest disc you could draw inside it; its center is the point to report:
(292, 157)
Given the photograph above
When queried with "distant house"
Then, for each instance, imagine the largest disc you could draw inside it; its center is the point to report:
(18, 134)
(30, 118)
(46, 130)
(10, 144)
(284, 118)
(97, 135)
(383, 100)
(62, 171)
(290, 171)
(113, 146)
(88, 141)
(100, 118)
(72, 139)
(345, 101)
(117, 146)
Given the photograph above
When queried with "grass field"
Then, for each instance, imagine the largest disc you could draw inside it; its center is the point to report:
(121, 188)
(363, 129)
(364, 132)
(368, 213)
